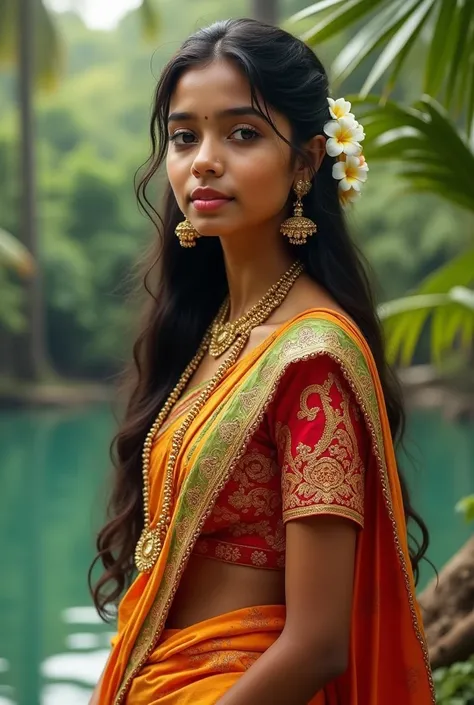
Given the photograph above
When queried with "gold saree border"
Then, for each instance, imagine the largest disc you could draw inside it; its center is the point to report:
(240, 415)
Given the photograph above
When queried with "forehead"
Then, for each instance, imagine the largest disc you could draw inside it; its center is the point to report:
(211, 87)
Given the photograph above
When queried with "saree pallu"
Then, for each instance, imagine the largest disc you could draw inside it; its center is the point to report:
(388, 660)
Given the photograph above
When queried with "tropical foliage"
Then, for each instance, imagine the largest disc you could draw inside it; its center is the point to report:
(388, 30)
(455, 684)
(431, 141)
(92, 136)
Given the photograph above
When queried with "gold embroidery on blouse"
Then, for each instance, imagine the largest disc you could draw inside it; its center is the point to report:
(330, 475)
(274, 539)
(254, 467)
(261, 499)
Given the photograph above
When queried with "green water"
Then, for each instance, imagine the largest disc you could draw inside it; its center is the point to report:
(52, 472)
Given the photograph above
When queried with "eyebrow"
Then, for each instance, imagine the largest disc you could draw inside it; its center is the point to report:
(242, 110)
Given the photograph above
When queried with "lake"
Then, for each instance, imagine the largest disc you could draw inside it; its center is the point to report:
(53, 471)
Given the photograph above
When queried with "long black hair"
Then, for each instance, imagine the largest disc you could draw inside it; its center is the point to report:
(187, 287)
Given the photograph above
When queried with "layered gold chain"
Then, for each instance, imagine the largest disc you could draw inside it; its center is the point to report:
(223, 335)
(150, 543)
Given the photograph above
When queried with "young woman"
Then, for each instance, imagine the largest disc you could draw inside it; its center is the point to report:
(258, 518)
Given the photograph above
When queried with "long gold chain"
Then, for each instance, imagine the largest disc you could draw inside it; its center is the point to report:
(150, 543)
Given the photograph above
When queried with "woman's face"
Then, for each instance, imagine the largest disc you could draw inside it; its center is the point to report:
(219, 143)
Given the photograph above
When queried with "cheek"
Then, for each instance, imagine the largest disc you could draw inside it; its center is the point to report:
(267, 181)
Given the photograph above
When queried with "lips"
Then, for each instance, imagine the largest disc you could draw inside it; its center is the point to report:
(205, 199)
(208, 194)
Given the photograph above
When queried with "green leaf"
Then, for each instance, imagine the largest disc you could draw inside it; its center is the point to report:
(372, 35)
(400, 60)
(447, 27)
(462, 20)
(402, 41)
(351, 11)
(432, 154)
(445, 297)
(441, 47)
(314, 9)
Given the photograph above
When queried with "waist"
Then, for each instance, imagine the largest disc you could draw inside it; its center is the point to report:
(209, 589)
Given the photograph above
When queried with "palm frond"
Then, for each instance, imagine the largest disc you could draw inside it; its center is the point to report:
(391, 28)
(433, 154)
(446, 300)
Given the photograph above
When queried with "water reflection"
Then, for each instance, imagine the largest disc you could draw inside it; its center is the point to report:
(70, 677)
(52, 471)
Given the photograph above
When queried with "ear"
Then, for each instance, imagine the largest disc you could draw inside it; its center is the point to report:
(316, 151)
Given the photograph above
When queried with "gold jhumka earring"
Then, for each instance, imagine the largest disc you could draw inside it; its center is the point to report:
(186, 233)
(298, 228)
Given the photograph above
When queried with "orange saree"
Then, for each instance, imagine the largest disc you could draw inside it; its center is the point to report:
(388, 663)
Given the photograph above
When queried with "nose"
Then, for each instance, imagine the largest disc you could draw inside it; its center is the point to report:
(207, 160)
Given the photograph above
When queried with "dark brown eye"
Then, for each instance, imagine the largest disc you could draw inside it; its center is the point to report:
(187, 138)
(247, 134)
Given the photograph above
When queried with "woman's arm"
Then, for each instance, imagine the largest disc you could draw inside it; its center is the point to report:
(313, 647)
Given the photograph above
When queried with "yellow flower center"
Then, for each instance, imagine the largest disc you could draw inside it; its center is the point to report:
(345, 135)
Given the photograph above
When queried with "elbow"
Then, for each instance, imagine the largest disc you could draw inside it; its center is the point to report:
(323, 658)
(333, 657)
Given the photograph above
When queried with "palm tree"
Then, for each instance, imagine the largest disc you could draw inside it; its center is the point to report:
(38, 54)
(265, 11)
(432, 142)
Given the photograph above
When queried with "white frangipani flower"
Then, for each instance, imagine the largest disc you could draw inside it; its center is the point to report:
(345, 136)
(340, 108)
(351, 172)
(348, 197)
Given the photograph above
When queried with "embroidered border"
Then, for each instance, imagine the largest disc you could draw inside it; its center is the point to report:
(305, 339)
(333, 509)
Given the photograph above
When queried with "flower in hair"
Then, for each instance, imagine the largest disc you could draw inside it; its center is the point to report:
(344, 137)
(340, 108)
(351, 172)
(348, 197)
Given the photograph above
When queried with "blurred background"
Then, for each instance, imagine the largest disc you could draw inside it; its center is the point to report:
(76, 80)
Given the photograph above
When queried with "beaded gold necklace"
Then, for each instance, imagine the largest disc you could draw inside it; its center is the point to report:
(219, 338)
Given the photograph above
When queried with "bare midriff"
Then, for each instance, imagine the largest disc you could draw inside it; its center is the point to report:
(210, 588)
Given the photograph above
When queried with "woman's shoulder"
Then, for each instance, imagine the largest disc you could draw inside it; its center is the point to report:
(318, 331)
(310, 303)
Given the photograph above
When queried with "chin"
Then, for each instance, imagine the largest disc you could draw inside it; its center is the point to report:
(214, 228)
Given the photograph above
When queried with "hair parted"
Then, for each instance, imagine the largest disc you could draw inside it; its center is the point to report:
(283, 74)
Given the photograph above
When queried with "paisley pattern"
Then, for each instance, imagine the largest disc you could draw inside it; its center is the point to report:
(320, 451)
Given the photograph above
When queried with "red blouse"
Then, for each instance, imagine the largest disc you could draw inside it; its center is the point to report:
(307, 457)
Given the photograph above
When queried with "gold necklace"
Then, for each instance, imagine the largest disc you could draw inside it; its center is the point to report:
(223, 335)
(150, 543)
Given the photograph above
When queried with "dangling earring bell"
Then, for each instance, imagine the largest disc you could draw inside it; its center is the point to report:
(186, 234)
(298, 228)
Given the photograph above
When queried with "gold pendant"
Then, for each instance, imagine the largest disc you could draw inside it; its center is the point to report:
(147, 550)
(223, 337)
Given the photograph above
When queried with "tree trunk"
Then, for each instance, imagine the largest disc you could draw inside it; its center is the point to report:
(33, 355)
(448, 610)
(265, 11)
